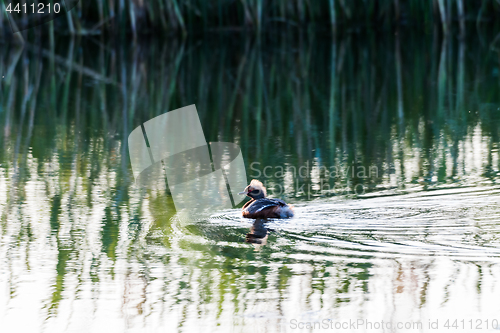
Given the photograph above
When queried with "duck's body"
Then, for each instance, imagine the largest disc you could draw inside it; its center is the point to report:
(261, 207)
(266, 208)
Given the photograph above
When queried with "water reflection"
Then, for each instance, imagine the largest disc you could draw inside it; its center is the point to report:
(82, 248)
(258, 232)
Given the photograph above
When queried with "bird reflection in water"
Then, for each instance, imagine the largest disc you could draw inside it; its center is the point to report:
(258, 233)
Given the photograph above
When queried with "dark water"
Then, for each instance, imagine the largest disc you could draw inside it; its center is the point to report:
(387, 146)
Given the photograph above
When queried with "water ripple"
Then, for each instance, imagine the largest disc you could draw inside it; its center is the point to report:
(460, 223)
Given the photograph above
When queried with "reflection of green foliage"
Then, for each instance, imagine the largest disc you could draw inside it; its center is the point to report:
(109, 234)
(361, 273)
(284, 274)
(62, 259)
(54, 216)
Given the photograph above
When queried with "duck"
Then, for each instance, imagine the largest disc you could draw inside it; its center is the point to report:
(261, 207)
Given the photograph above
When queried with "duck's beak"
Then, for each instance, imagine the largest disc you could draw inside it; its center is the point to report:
(242, 193)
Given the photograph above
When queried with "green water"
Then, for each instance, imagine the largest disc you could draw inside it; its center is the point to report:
(387, 146)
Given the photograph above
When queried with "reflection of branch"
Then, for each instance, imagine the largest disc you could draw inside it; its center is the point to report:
(492, 45)
(17, 35)
(71, 65)
(14, 56)
(444, 19)
(461, 17)
(399, 81)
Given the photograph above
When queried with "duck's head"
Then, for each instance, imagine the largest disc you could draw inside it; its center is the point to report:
(255, 190)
